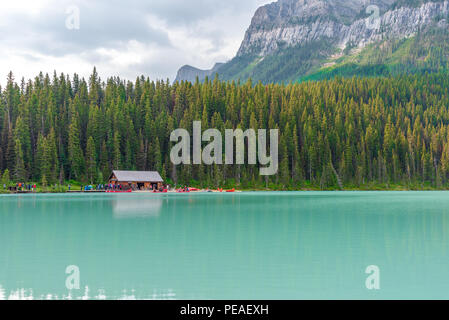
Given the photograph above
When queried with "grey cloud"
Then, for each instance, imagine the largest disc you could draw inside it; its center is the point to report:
(111, 24)
(102, 24)
(188, 12)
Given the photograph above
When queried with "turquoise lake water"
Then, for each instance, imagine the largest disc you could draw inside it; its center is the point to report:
(298, 245)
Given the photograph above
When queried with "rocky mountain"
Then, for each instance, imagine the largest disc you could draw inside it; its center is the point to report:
(189, 73)
(291, 40)
(295, 22)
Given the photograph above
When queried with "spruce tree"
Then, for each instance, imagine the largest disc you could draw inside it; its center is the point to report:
(74, 150)
(91, 161)
(19, 168)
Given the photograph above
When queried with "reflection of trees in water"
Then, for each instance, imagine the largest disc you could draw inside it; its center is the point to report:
(2, 293)
(137, 208)
(27, 294)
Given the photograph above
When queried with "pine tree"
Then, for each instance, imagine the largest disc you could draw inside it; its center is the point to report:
(117, 162)
(10, 152)
(74, 150)
(157, 156)
(104, 161)
(52, 157)
(141, 157)
(6, 178)
(91, 161)
(46, 168)
(19, 168)
(39, 162)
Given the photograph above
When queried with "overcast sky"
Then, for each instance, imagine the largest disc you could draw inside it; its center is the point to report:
(124, 38)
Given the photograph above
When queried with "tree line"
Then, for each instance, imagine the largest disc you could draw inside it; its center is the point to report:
(340, 133)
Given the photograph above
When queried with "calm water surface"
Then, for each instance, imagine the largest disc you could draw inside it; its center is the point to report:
(309, 245)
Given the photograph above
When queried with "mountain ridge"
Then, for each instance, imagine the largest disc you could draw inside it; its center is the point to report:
(189, 73)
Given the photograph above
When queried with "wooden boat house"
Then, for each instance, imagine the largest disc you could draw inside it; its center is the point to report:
(137, 180)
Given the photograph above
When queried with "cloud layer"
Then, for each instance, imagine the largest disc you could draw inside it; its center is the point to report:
(122, 38)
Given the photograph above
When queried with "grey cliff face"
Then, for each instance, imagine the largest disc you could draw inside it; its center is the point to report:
(343, 22)
(189, 73)
(291, 12)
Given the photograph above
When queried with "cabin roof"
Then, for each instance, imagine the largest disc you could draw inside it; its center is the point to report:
(137, 176)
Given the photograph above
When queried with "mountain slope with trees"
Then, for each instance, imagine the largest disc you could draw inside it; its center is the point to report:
(369, 133)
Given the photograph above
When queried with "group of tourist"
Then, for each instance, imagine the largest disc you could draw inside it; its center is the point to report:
(24, 187)
(115, 187)
(101, 187)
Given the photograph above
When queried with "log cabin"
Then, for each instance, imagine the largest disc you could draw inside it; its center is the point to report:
(137, 180)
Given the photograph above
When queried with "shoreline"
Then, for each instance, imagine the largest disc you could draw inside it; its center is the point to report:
(224, 192)
(303, 187)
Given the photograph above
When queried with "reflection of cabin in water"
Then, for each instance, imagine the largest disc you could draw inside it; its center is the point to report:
(137, 180)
